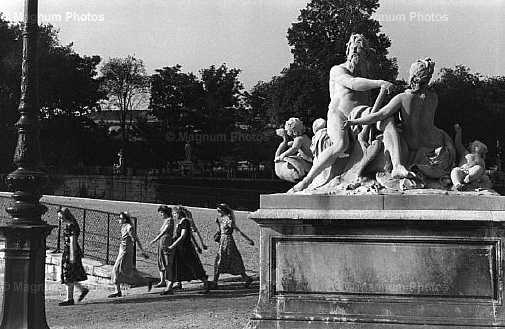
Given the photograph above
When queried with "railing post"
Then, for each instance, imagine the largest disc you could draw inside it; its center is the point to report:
(83, 230)
(58, 244)
(107, 252)
(135, 243)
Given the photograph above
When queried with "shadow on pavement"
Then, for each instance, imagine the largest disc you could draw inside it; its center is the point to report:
(223, 292)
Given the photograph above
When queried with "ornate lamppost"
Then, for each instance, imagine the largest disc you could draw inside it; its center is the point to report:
(25, 233)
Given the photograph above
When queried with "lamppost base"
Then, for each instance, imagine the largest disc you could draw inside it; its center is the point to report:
(24, 278)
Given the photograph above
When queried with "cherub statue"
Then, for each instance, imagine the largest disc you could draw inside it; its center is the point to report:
(472, 166)
(293, 159)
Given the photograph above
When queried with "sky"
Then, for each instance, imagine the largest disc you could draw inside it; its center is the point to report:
(251, 34)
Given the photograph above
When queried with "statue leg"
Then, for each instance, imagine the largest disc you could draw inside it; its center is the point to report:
(474, 173)
(457, 176)
(393, 147)
(282, 147)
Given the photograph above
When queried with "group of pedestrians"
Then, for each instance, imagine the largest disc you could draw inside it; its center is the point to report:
(177, 257)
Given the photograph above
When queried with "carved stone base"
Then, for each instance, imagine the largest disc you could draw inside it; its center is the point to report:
(381, 261)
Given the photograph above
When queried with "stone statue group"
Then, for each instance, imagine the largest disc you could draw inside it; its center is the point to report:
(360, 146)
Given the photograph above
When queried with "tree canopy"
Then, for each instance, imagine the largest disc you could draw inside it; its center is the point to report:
(476, 102)
(68, 88)
(318, 41)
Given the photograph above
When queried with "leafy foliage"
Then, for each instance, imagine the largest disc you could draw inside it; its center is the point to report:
(318, 42)
(319, 38)
(175, 96)
(126, 84)
(477, 103)
(67, 85)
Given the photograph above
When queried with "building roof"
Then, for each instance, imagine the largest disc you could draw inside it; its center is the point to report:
(111, 117)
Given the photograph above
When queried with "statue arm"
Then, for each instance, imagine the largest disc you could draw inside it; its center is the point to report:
(391, 108)
(297, 144)
(342, 77)
(458, 141)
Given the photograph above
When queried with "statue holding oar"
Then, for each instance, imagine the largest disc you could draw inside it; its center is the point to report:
(349, 91)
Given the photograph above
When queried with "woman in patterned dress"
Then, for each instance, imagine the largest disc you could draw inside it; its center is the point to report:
(228, 259)
(124, 271)
(164, 239)
(186, 265)
(72, 270)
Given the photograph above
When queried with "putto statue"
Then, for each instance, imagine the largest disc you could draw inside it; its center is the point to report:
(293, 159)
(471, 172)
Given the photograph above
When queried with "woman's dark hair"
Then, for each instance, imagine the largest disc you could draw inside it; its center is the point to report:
(225, 208)
(65, 212)
(179, 210)
(67, 215)
(166, 210)
(126, 216)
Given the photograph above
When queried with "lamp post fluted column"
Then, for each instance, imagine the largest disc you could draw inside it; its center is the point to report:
(25, 233)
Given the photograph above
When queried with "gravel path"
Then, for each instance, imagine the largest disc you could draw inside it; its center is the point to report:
(230, 307)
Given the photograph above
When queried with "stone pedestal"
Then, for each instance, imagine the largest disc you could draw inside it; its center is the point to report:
(381, 261)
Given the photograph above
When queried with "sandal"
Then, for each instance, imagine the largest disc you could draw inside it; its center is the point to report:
(114, 295)
(83, 294)
(167, 292)
(206, 287)
(66, 302)
(248, 282)
(161, 285)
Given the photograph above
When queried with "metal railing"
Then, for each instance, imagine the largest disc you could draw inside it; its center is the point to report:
(100, 236)
(100, 232)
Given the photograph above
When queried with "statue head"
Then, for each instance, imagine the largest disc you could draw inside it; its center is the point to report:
(479, 148)
(318, 124)
(420, 74)
(294, 127)
(356, 53)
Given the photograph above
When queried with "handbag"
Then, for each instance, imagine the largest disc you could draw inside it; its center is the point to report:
(217, 236)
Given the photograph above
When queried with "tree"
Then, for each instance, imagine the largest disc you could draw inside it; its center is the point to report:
(318, 41)
(175, 96)
(223, 96)
(73, 88)
(475, 102)
(68, 89)
(127, 85)
(297, 92)
(319, 38)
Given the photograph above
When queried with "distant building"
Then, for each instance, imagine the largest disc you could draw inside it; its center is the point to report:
(110, 118)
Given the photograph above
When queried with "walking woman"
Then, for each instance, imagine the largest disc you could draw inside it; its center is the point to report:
(194, 230)
(164, 239)
(186, 265)
(124, 271)
(72, 271)
(228, 259)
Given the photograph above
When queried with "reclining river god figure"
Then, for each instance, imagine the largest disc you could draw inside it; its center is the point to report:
(350, 91)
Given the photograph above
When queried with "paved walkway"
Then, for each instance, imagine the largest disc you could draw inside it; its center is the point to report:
(229, 307)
